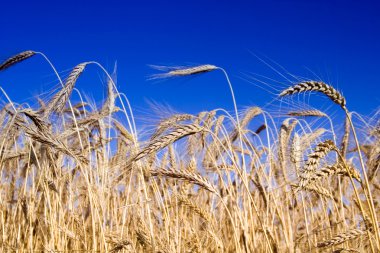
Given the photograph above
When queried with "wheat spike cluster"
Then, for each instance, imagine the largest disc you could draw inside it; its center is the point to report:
(79, 177)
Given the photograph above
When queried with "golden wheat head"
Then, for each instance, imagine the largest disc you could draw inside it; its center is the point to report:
(322, 87)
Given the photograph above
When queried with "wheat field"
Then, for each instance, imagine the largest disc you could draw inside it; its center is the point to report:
(81, 178)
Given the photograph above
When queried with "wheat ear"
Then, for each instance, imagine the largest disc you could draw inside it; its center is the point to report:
(195, 208)
(322, 87)
(192, 70)
(169, 122)
(58, 102)
(341, 238)
(163, 141)
(186, 176)
(185, 71)
(321, 150)
(346, 137)
(16, 59)
(317, 188)
(307, 113)
(336, 169)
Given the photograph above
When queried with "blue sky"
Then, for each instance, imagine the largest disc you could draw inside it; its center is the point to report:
(338, 41)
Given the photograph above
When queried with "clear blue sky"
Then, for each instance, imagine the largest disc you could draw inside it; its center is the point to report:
(337, 40)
